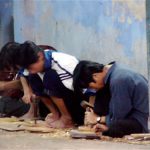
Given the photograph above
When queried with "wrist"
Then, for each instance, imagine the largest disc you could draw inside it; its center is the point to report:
(101, 119)
(98, 119)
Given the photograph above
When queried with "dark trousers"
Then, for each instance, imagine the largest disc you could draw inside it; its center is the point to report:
(52, 86)
(124, 127)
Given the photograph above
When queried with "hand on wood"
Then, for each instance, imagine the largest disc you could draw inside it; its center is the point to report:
(90, 117)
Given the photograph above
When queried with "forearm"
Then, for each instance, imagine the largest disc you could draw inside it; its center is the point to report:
(6, 85)
(92, 118)
(27, 90)
(103, 120)
(25, 85)
(92, 100)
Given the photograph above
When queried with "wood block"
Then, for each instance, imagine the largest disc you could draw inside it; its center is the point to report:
(85, 128)
(83, 134)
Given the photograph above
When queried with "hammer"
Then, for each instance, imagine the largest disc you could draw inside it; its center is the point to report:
(86, 104)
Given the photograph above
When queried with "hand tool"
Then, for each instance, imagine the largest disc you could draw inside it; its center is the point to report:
(86, 104)
(35, 100)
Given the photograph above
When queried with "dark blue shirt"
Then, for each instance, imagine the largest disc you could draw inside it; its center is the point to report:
(129, 95)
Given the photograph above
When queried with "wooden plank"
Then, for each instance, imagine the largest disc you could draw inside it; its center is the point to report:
(83, 134)
(25, 126)
(11, 127)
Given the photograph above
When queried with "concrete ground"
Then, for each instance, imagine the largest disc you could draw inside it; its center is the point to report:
(36, 141)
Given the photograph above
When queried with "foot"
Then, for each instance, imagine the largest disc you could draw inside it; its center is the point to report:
(62, 123)
(27, 116)
(51, 118)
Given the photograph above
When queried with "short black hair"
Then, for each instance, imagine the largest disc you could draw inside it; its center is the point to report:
(7, 55)
(83, 74)
(28, 54)
(14, 54)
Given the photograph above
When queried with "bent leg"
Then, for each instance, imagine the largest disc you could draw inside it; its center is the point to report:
(124, 127)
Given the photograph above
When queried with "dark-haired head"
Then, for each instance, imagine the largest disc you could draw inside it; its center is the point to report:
(14, 54)
(83, 74)
(8, 55)
(28, 54)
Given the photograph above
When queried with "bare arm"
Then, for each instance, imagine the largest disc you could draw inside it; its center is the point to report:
(6, 85)
(27, 90)
(25, 85)
(92, 100)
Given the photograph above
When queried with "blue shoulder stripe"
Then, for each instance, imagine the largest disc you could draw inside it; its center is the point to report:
(48, 58)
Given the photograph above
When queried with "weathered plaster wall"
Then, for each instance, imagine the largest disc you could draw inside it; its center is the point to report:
(24, 20)
(100, 30)
(6, 21)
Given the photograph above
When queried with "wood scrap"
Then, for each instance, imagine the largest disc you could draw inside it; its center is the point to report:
(11, 127)
(39, 129)
(140, 135)
(7, 119)
(9, 124)
(40, 126)
(32, 124)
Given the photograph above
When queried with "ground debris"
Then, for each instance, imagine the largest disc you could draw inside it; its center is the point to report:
(58, 133)
(62, 133)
